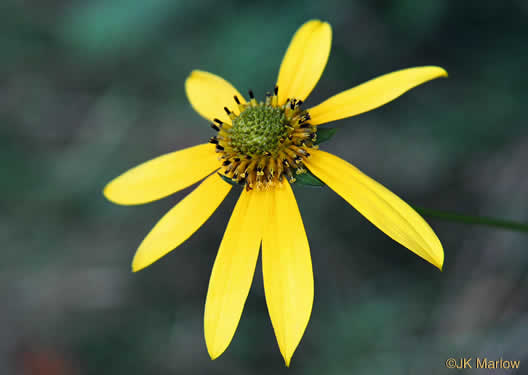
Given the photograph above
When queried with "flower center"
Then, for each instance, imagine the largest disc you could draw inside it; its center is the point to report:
(258, 129)
(265, 143)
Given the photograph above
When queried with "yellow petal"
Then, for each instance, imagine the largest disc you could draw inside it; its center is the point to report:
(372, 94)
(287, 271)
(181, 221)
(304, 61)
(233, 271)
(209, 94)
(162, 176)
(380, 206)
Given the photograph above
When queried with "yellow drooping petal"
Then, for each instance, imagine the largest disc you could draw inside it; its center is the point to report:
(162, 176)
(181, 221)
(287, 271)
(372, 94)
(209, 94)
(380, 206)
(304, 61)
(233, 271)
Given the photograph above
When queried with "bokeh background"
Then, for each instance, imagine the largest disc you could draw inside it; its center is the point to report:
(89, 89)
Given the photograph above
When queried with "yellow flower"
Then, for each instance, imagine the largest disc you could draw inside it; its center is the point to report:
(263, 146)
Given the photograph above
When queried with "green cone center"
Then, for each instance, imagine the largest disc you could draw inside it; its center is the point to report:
(258, 129)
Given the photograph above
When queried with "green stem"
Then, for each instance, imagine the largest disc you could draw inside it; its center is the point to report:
(476, 220)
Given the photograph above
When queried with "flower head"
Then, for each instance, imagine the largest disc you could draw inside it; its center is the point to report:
(263, 146)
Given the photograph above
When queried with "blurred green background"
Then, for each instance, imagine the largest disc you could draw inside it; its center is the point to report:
(89, 89)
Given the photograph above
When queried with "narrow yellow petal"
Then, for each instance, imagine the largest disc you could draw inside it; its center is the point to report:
(380, 206)
(162, 176)
(287, 271)
(372, 94)
(181, 221)
(209, 94)
(233, 271)
(304, 61)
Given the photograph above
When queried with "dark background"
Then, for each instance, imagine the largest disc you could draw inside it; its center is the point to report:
(89, 89)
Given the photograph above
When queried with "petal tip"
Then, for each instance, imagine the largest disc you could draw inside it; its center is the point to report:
(317, 21)
(214, 353)
(144, 257)
(111, 195)
(287, 357)
(438, 261)
(136, 266)
(213, 356)
(440, 265)
(106, 192)
(436, 71)
(312, 21)
(140, 260)
(327, 29)
(323, 26)
(326, 24)
(191, 75)
(195, 72)
(443, 73)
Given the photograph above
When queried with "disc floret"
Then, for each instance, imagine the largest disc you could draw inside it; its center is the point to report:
(266, 142)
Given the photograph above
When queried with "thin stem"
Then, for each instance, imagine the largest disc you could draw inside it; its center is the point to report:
(476, 220)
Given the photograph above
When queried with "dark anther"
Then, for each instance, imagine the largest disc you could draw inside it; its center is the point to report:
(285, 162)
(259, 169)
(213, 140)
(292, 104)
(226, 163)
(227, 110)
(290, 137)
(305, 118)
(218, 147)
(236, 99)
(299, 103)
(236, 160)
(248, 157)
(215, 127)
(251, 94)
(235, 175)
(305, 125)
(307, 154)
(276, 90)
(219, 122)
